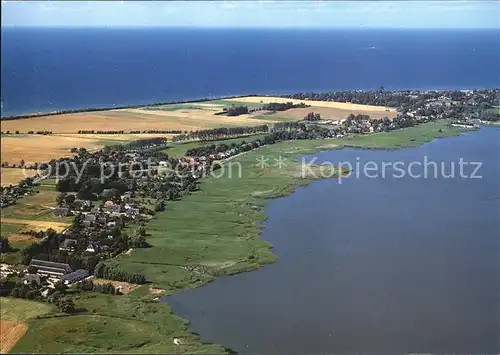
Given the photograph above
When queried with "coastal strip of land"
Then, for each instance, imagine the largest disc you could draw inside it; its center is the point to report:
(209, 228)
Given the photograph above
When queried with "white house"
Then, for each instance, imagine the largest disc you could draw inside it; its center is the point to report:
(92, 248)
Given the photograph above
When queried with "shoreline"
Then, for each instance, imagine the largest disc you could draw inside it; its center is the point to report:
(217, 97)
(287, 191)
(457, 133)
(119, 107)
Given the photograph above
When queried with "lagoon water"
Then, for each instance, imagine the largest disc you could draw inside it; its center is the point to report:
(371, 265)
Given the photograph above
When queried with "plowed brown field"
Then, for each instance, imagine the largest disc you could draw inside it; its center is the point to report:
(10, 333)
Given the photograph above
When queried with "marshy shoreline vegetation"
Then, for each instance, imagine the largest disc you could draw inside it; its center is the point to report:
(212, 231)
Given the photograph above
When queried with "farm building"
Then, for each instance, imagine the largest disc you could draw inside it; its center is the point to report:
(68, 245)
(75, 276)
(50, 268)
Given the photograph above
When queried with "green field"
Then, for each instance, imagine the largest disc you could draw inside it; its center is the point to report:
(19, 310)
(175, 107)
(273, 118)
(407, 137)
(212, 232)
(229, 103)
(200, 105)
(131, 324)
(37, 207)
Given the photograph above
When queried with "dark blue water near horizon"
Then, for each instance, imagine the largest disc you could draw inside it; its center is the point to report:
(53, 69)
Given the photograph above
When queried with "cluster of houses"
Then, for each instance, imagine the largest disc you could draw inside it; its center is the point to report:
(99, 214)
(467, 108)
(95, 221)
(10, 194)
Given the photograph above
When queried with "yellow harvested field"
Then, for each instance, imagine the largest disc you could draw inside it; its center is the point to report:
(193, 119)
(22, 238)
(37, 148)
(10, 333)
(36, 225)
(129, 120)
(65, 127)
(97, 121)
(331, 104)
(330, 113)
(11, 176)
(125, 287)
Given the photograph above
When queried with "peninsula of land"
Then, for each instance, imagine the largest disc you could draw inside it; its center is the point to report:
(86, 257)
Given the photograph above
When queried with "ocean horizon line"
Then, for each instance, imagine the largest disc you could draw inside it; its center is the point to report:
(209, 98)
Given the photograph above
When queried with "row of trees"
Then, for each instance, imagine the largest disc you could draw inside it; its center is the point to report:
(111, 272)
(409, 99)
(4, 245)
(100, 132)
(151, 131)
(143, 143)
(222, 147)
(29, 132)
(222, 132)
(378, 97)
(56, 296)
(280, 106)
(281, 131)
(235, 110)
(162, 131)
(88, 285)
(21, 290)
(311, 117)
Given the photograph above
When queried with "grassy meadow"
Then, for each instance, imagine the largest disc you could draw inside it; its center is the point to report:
(403, 138)
(107, 324)
(15, 314)
(19, 310)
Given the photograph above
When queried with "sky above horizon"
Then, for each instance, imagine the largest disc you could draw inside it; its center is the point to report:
(286, 14)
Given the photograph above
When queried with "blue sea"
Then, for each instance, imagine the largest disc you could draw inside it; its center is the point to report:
(52, 69)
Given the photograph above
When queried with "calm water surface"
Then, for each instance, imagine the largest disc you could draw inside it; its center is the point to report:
(52, 68)
(371, 265)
